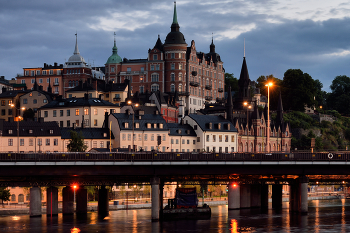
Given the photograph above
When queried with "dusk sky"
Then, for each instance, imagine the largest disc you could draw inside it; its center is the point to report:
(312, 35)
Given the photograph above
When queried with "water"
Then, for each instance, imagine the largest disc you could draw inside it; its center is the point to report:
(324, 216)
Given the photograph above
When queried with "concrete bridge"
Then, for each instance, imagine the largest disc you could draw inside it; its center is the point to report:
(248, 174)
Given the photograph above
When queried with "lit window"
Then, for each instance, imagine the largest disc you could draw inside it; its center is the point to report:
(86, 111)
(77, 112)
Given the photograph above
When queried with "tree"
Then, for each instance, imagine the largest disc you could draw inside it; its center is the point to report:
(4, 195)
(274, 90)
(28, 114)
(339, 98)
(76, 143)
(299, 90)
(230, 80)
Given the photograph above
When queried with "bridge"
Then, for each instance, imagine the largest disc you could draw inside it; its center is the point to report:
(248, 173)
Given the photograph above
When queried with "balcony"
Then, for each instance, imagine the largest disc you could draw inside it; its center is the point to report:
(194, 84)
(208, 98)
(220, 100)
(208, 87)
(132, 72)
(56, 84)
(183, 93)
(116, 99)
(220, 89)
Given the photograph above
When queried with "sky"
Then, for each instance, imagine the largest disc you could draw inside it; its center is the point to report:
(312, 35)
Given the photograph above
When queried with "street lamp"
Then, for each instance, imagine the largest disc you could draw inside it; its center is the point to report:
(18, 112)
(133, 119)
(248, 107)
(270, 84)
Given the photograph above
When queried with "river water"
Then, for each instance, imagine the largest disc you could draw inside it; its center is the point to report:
(323, 216)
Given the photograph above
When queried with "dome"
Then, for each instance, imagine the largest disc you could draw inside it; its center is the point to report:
(114, 58)
(76, 60)
(175, 36)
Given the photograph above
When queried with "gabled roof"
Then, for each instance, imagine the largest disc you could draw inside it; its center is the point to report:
(88, 133)
(204, 120)
(181, 130)
(244, 77)
(72, 102)
(142, 120)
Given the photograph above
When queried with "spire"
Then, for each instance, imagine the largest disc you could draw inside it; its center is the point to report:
(35, 87)
(279, 118)
(49, 88)
(76, 50)
(175, 14)
(212, 46)
(244, 48)
(244, 78)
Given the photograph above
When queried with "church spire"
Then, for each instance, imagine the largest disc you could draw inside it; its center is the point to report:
(175, 14)
(175, 27)
(76, 50)
(212, 46)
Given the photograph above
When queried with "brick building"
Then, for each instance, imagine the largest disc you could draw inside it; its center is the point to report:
(173, 68)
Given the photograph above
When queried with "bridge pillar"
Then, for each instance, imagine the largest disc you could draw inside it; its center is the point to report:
(294, 200)
(155, 181)
(52, 201)
(255, 195)
(303, 194)
(68, 198)
(81, 199)
(35, 202)
(277, 196)
(264, 196)
(245, 193)
(103, 202)
(234, 197)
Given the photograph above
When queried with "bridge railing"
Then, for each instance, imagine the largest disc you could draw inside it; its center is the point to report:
(177, 156)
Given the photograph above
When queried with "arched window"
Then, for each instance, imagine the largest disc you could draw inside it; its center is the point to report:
(172, 88)
(180, 76)
(155, 77)
(13, 197)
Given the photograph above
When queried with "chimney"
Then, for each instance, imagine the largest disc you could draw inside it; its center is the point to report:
(55, 64)
(86, 96)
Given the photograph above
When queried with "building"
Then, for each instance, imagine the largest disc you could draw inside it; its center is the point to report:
(46, 76)
(173, 68)
(33, 137)
(182, 138)
(87, 111)
(10, 104)
(214, 133)
(4, 84)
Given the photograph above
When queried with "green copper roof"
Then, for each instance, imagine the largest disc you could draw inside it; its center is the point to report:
(114, 58)
(175, 14)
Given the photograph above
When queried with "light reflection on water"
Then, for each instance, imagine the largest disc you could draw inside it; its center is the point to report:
(324, 216)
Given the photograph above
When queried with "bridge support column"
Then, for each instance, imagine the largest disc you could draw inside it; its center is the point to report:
(294, 200)
(103, 202)
(81, 199)
(255, 195)
(303, 194)
(35, 202)
(68, 198)
(264, 196)
(155, 181)
(52, 201)
(245, 194)
(277, 196)
(234, 196)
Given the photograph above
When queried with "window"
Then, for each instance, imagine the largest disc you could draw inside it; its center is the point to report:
(86, 111)
(180, 66)
(173, 66)
(145, 137)
(177, 141)
(102, 144)
(47, 142)
(77, 122)
(68, 112)
(77, 112)
(172, 55)
(55, 142)
(172, 77)
(172, 88)
(95, 111)
(3, 112)
(208, 138)
(232, 138)
(95, 122)
(61, 113)
(40, 80)
(21, 142)
(3, 102)
(68, 123)
(154, 87)
(123, 137)
(157, 67)
(152, 137)
(137, 125)
(129, 137)
(54, 113)
(40, 142)
(25, 101)
(226, 138)
(30, 141)
(51, 131)
(220, 138)
(51, 72)
(26, 73)
(180, 76)
(172, 141)
(46, 113)
(155, 77)
(44, 101)
(194, 142)
(188, 141)
(112, 69)
(35, 101)
(152, 67)
(86, 122)
(155, 57)
(214, 138)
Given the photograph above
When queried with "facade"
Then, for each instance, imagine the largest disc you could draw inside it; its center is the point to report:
(173, 68)
(214, 133)
(4, 84)
(7, 98)
(182, 138)
(34, 136)
(48, 75)
(146, 129)
(66, 112)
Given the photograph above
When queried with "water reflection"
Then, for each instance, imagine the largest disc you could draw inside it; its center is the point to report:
(324, 216)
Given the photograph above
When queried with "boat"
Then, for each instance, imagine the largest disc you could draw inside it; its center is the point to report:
(185, 206)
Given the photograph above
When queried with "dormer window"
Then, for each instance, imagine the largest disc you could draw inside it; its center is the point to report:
(10, 131)
(104, 135)
(161, 125)
(30, 131)
(126, 124)
(148, 125)
(228, 126)
(188, 131)
(210, 125)
(154, 126)
(51, 131)
(179, 131)
(61, 103)
(219, 126)
(137, 125)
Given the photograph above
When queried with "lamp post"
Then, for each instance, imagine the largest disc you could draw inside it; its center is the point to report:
(268, 116)
(18, 113)
(133, 119)
(248, 107)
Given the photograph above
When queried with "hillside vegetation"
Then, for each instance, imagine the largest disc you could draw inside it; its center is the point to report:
(334, 136)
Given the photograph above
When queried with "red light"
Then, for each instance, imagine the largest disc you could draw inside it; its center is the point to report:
(75, 186)
(234, 185)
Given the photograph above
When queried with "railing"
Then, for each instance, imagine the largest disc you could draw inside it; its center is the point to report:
(163, 156)
(183, 93)
(208, 87)
(116, 99)
(220, 89)
(195, 84)
(208, 98)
